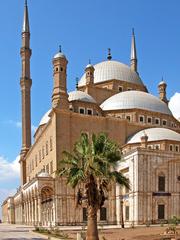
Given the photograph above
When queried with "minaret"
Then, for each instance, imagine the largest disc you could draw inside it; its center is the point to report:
(89, 71)
(162, 91)
(60, 96)
(25, 83)
(133, 53)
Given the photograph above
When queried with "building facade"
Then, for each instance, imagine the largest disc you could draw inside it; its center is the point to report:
(110, 97)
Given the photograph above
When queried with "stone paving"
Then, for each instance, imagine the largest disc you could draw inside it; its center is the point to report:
(14, 232)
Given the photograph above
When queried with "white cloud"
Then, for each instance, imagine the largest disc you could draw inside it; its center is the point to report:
(174, 105)
(9, 170)
(9, 173)
(18, 124)
(9, 176)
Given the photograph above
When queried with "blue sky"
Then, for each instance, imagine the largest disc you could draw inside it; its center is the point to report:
(85, 29)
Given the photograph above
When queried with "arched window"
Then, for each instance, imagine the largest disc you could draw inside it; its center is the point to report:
(103, 214)
(161, 183)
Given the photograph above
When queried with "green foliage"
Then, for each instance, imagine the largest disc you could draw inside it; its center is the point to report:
(93, 163)
(55, 232)
(36, 229)
(174, 220)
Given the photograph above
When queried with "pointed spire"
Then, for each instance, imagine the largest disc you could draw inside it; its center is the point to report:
(26, 19)
(109, 57)
(133, 52)
(60, 50)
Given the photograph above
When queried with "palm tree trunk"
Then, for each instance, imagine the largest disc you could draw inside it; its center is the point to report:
(92, 231)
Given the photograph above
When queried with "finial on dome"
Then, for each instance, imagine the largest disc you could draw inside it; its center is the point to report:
(77, 80)
(109, 57)
(60, 49)
(89, 61)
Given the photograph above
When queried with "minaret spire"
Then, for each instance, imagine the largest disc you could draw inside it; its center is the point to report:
(26, 19)
(25, 83)
(133, 53)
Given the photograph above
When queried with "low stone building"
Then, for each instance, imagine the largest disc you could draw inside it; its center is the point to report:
(111, 98)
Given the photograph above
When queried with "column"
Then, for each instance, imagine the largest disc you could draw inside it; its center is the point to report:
(54, 212)
(30, 217)
(39, 211)
(118, 205)
(32, 210)
(35, 211)
(25, 213)
(27, 207)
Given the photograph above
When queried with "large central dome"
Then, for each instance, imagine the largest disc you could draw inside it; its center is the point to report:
(109, 70)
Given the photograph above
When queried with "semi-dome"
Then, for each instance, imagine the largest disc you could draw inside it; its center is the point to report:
(109, 70)
(80, 96)
(43, 174)
(135, 99)
(155, 134)
(45, 118)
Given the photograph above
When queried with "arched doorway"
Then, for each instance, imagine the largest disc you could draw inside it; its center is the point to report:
(47, 206)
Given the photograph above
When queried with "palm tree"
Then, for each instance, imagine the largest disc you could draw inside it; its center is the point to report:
(93, 164)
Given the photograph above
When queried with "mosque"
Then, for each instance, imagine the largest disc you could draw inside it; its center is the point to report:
(110, 97)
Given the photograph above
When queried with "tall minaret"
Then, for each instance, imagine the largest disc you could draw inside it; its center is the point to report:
(25, 83)
(133, 53)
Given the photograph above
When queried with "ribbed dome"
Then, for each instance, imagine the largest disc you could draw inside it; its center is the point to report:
(80, 96)
(135, 99)
(109, 70)
(155, 134)
(45, 118)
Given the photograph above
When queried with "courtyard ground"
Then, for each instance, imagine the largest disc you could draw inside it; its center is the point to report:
(137, 233)
(17, 232)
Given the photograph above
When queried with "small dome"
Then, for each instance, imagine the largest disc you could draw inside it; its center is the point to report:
(155, 134)
(162, 83)
(135, 99)
(109, 70)
(89, 66)
(45, 118)
(80, 96)
(43, 174)
(59, 55)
